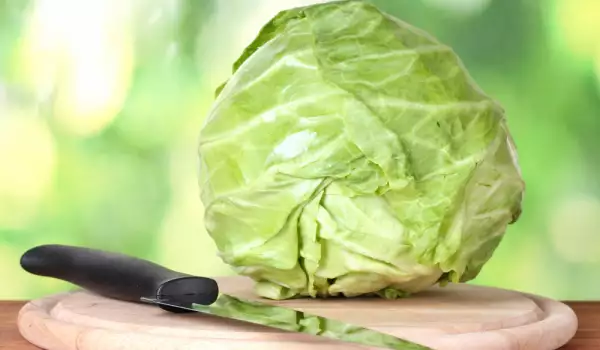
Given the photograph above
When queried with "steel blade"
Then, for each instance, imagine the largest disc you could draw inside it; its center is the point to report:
(284, 318)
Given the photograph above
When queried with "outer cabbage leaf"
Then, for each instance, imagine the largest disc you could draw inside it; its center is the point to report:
(351, 153)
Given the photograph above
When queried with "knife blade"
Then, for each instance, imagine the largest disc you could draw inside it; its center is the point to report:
(122, 277)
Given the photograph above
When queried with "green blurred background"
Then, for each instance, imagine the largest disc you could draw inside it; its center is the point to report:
(101, 104)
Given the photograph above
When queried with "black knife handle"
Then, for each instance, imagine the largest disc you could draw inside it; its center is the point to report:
(118, 276)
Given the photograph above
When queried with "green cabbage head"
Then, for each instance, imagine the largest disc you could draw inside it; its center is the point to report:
(351, 153)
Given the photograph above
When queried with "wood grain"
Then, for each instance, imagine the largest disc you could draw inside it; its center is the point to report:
(10, 338)
(457, 317)
(586, 338)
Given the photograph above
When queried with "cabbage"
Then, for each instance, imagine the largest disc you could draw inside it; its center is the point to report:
(350, 154)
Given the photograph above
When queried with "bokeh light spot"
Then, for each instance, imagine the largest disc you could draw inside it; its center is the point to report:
(578, 25)
(16, 280)
(574, 227)
(27, 155)
(82, 50)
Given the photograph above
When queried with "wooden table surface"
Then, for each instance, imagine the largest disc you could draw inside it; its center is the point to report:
(587, 337)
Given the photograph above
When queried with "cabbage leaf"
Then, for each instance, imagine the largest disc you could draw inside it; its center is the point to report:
(351, 153)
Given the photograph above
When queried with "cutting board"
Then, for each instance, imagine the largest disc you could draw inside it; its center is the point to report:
(456, 317)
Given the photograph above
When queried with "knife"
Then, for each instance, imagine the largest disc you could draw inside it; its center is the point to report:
(127, 278)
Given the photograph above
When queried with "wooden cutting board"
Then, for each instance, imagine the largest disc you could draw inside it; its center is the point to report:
(457, 317)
